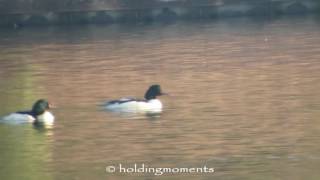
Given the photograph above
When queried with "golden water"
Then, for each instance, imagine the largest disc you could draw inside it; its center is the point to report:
(244, 99)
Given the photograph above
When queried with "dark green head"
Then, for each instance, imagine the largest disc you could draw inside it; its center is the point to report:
(40, 106)
(153, 92)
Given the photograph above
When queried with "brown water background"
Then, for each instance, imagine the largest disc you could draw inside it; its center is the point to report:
(244, 99)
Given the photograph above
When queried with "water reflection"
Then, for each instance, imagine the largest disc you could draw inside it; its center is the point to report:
(26, 152)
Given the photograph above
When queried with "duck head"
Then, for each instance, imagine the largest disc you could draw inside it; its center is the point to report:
(153, 92)
(40, 107)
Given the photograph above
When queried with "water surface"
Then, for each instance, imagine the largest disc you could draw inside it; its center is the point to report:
(244, 99)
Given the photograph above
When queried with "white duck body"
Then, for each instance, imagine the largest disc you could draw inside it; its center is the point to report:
(46, 118)
(150, 103)
(132, 105)
(17, 118)
(20, 118)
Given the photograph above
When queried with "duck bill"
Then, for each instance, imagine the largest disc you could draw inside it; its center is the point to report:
(52, 106)
(165, 94)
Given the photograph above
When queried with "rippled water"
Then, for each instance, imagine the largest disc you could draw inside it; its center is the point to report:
(244, 99)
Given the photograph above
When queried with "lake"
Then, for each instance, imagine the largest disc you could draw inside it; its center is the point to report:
(243, 99)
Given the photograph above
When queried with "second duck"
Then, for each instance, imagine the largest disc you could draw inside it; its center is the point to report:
(149, 104)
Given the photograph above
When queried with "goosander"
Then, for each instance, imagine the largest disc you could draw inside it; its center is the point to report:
(39, 114)
(149, 104)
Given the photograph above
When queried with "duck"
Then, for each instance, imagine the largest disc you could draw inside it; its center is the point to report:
(39, 114)
(150, 103)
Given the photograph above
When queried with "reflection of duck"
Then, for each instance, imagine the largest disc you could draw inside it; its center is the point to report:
(149, 104)
(38, 114)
